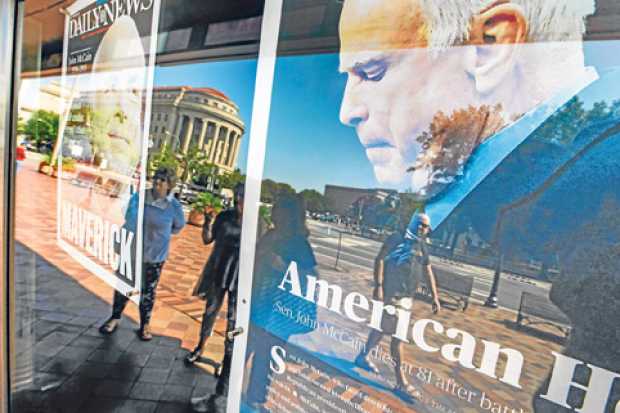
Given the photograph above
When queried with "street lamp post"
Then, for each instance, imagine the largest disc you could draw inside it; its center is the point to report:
(339, 248)
(491, 301)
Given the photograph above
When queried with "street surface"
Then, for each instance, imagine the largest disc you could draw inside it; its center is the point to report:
(357, 255)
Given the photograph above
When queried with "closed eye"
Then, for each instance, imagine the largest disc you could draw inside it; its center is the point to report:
(372, 71)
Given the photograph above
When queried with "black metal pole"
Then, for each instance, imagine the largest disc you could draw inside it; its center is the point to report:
(339, 246)
(491, 301)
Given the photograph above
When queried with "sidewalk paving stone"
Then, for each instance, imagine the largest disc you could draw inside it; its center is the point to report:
(152, 375)
(138, 406)
(176, 393)
(146, 391)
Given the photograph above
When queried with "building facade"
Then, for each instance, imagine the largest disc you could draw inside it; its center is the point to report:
(186, 117)
(341, 199)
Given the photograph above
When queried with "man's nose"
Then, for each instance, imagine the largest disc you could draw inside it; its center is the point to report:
(352, 110)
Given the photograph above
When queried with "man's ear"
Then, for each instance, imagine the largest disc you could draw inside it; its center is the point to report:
(496, 34)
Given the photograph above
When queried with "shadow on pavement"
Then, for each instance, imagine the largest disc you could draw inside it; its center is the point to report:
(63, 364)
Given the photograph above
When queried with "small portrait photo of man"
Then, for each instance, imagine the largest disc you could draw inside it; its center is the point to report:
(118, 80)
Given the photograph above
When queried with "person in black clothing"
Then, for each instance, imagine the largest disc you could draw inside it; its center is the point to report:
(395, 283)
(286, 242)
(220, 275)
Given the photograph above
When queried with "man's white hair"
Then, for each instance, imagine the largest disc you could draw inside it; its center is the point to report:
(548, 20)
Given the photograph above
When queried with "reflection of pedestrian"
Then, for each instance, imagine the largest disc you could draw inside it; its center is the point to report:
(163, 216)
(219, 279)
(220, 275)
(397, 269)
(286, 242)
(20, 156)
(468, 244)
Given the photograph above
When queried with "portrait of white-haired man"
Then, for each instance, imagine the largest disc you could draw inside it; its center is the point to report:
(487, 112)
(116, 87)
(111, 97)
(428, 81)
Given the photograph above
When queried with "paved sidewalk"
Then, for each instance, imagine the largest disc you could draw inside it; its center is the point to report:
(76, 369)
(60, 306)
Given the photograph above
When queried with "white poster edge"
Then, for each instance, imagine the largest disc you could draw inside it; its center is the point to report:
(133, 292)
(261, 108)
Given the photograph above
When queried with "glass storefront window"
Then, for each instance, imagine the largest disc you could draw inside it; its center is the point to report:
(128, 140)
(7, 13)
(439, 185)
(310, 206)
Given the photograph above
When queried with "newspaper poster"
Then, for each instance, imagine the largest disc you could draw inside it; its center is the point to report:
(109, 56)
(440, 201)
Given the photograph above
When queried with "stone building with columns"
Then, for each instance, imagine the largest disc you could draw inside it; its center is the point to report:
(185, 117)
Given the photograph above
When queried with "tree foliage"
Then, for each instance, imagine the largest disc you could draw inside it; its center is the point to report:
(194, 162)
(450, 141)
(100, 123)
(314, 200)
(42, 127)
(205, 201)
(271, 190)
(163, 158)
(230, 180)
(564, 125)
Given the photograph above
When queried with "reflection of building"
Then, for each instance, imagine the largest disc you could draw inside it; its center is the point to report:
(185, 117)
(35, 94)
(342, 198)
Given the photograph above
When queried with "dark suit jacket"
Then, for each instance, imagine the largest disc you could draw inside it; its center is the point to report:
(556, 199)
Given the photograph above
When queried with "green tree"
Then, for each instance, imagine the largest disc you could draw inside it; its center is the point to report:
(564, 125)
(98, 129)
(192, 162)
(270, 190)
(21, 126)
(42, 127)
(315, 201)
(230, 180)
(206, 200)
(599, 111)
(163, 158)
(202, 172)
(264, 212)
(614, 108)
(99, 124)
(407, 205)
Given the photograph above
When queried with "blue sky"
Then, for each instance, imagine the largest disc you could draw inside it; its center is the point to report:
(307, 146)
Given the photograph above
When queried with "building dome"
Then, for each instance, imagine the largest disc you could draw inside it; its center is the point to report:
(186, 117)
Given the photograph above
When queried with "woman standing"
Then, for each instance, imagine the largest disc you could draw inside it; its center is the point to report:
(219, 276)
(163, 216)
(287, 241)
